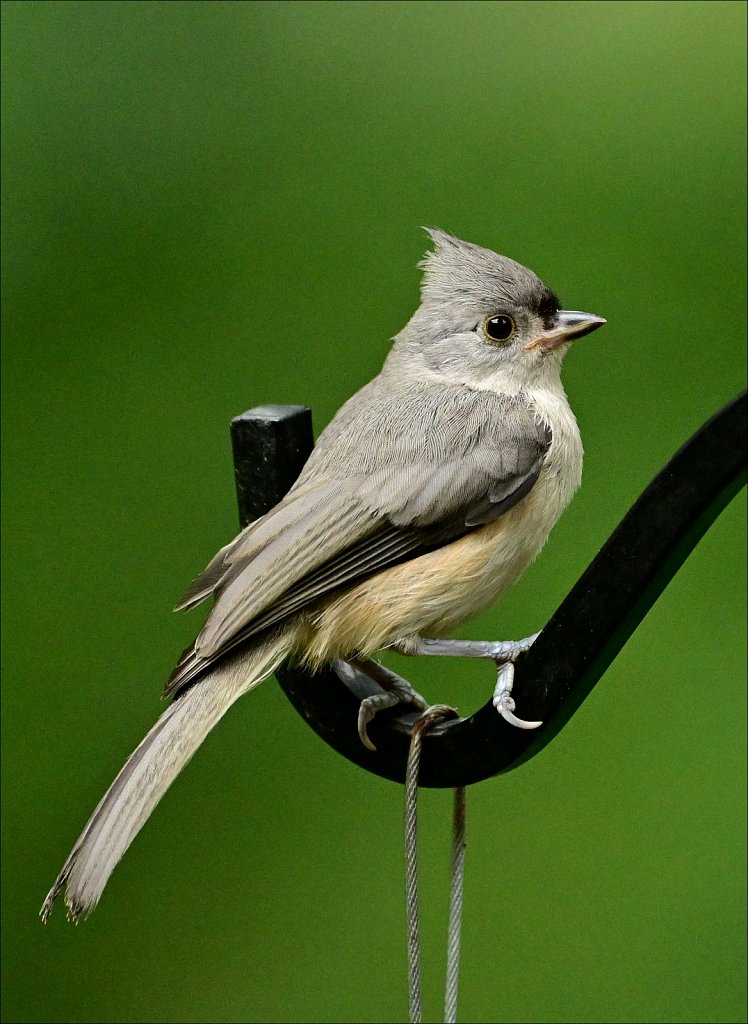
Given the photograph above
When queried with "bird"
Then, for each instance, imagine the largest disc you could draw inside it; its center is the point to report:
(425, 498)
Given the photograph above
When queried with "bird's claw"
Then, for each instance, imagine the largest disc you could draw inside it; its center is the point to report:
(365, 715)
(503, 700)
(400, 692)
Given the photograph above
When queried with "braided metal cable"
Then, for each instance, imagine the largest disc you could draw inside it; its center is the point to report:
(455, 906)
(429, 717)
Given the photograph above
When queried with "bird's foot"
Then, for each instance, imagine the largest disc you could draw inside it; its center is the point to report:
(503, 653)
(503, 700)
(396, 690)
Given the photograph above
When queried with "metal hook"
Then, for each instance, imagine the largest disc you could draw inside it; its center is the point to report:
(271, 444)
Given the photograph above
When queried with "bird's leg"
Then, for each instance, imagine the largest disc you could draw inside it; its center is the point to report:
(396, 691)
(498, 651)
(503, 653)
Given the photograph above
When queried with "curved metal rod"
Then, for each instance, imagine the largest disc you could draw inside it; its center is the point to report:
(271, 444)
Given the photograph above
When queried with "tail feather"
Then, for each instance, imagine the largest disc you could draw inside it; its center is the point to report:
(150, 770)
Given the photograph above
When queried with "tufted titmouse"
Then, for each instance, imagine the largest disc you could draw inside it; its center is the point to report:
(426, 497)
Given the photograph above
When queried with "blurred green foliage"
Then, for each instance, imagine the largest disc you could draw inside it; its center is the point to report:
(208, 206)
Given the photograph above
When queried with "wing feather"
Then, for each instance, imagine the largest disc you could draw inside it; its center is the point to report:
(370, 496)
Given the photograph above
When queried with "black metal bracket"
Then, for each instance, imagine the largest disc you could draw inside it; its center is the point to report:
(271, 444)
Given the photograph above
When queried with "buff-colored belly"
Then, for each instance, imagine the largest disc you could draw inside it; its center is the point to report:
(431, 595)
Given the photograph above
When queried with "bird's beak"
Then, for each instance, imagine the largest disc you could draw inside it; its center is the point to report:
(570, 325)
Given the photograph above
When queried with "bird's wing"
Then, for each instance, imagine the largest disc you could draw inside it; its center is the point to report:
(372, 495)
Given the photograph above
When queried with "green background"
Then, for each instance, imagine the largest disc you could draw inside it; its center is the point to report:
(208, 206)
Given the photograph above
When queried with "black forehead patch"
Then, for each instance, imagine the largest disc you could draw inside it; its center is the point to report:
(547, 304)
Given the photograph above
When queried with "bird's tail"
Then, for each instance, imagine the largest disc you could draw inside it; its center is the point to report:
(150, 770)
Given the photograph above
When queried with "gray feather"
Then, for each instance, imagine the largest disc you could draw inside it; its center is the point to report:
(371, 495)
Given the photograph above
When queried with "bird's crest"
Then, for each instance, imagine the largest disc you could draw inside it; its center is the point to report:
(455, 269)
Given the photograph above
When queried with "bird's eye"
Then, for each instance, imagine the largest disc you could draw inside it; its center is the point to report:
(498, 328)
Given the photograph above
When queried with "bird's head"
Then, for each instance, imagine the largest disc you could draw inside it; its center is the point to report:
(486, 320)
